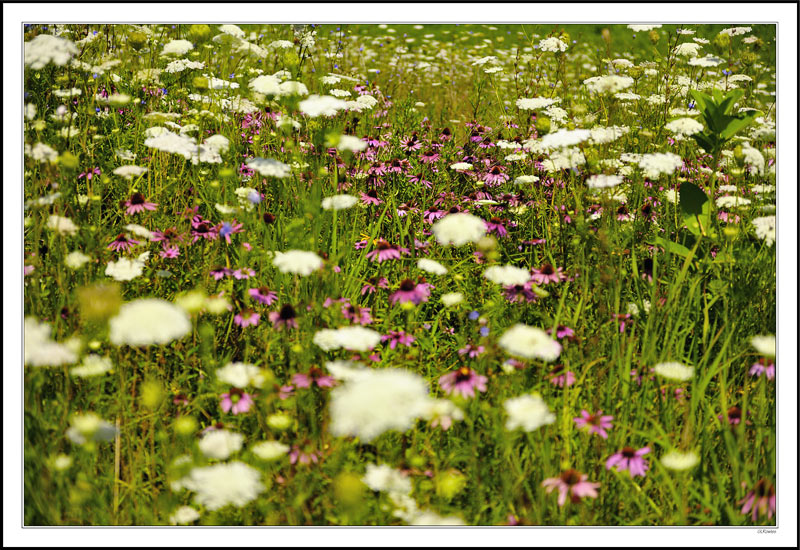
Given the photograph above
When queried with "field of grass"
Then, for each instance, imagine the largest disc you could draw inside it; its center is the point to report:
(399, 275)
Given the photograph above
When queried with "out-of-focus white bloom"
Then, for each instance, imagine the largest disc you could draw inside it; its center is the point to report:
(765, 345)
(46, 48)
(173, 143)
(76, 259)
(459, 229)
(727, 201)
(386, 479)
(42, 153)
(241, 375)
(90, 427)
(552, 44)
(378, 401)
(220, 444)
(765, 229)
(461, 166)
(507, 275)
(528, 412)
(674, 371)
(184, 516)
(707, 61)
(92, 365)
(452, 298)
(61, 225)
(177, 47)
(355, 338)
(40, 350)
(677, 460)
(324, 105)
(217, 486)
(339, 202)
(269, 167)
(232, 30)
(269, 450)
(603, 181)
(300, 262)
(126, 269)
(431, 266)
(530, 343)
(656, 164)
(351, 143)
(688, 49)
(130, 171)
(684, 126)
(565, 138)
(536, 103)
(608, 84)
(148, 321)
(643, 28)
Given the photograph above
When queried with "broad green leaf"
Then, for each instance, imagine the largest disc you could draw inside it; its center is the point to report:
(672, 247)
(735, 125)
(704, 141)
(692, 199)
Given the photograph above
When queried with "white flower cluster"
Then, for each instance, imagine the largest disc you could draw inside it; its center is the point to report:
(355, 338)
(40, 350)
(46, 48)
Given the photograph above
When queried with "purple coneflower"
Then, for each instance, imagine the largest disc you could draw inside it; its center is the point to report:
(169, 252)
(244, 273)
(597, 423)
(629, 459)
(202, 229)
(370, 197)
(517, 293)
(472, 351)
(247, 317)
(409, 291)
(496, 225)
(547, 274)
(235, 401)
(397, 166)
(168, 236)
(429, 156)
(315, 376)
(571, 483)
(760, 499)
(759, 368)
(411, 143)
(356, 314)
(495, 176)
(284, 392)
(285, 317)
(374, 283)
(463, 381)
(302, 455)
(558, 377)
(122, 243)
(562, 332)
(395, 337)
(419, 179)
(220, 271)
(263, 295)
(384, 250)
(138, 203)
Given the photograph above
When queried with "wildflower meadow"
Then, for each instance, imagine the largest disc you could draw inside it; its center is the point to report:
(385, 275)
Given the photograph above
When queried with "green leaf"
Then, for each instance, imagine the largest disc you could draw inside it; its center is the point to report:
(705, 141)
(692, 199)
(674, 248)
(735, 125)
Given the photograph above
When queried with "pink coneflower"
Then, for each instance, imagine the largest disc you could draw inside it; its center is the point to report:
(496, 225)
(138, 203)
(562, 332)
(374, 283)
(759, 368)
(518, 293)
(433, 214)
(429, 156)
(734, 416)
(571, 483)
(395, 337)
(303, 455)
(244, 273)
(547, 274)
(411, 143)
(220, 271)
(285, 317)
(263, 295)
(495, 176)
(370, 197)
(629, 459)
(235, 401)
(359, 315)
(384, 250)
(623, 215)
(315, 376)
(597, 423)
(463, 381)
(376, 169)
(169, 252)
(284, 392)
(486, 143)
(445, 134)
(471, 351)
(760, 499)
(89, 174)
(558, 377)
(247, 317)
(397, 166)
(419, 179)
(122, 243)
(168, 236)
(409, 291)
(202, 229)
(28, 269)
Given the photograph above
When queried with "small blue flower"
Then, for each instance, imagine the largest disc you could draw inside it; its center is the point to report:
(474, 315)
(484, 331)
(254, 197)
(226, 229)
